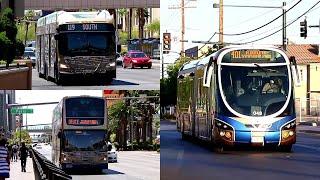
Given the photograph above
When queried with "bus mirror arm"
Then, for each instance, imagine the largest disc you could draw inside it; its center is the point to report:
(208, 73)
(295, 72)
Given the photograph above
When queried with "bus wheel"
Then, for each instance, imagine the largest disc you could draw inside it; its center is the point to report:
(149, 67)
(58, 79)
(218, 148)
(287, 148)
(132, 66)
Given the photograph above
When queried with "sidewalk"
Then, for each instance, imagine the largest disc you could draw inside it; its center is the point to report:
(15, 171)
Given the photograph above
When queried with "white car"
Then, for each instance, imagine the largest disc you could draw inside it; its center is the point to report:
(119, 59)
(112, 155)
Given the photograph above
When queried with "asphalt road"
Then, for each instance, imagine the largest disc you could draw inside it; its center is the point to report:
(185, 160)
(128, 79)
(131, 165)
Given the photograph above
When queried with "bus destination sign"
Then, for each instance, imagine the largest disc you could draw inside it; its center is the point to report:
(86, 27)
(83, 122)
(251, 54)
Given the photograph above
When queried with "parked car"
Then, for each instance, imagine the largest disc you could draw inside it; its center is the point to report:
(112, 155)
(136, 59)
(30, 49)
(119, 59)
(30, 55)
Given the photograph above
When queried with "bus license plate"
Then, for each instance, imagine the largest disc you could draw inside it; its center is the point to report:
(257, 139)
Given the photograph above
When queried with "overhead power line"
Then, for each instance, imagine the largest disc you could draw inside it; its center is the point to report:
(282, 28)
(237, 34)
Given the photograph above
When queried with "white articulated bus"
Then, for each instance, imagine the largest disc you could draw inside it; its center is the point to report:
(76, 44)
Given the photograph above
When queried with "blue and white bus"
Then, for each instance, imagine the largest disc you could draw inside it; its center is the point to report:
(239, 95)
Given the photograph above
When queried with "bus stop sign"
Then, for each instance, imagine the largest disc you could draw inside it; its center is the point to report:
(21, 111)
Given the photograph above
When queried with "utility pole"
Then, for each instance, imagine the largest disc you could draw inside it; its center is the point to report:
(220, 23)
(182, 28)
(284, 24)
(182, 7)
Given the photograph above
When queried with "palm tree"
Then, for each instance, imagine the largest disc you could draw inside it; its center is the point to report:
(142, 14)
(122, 13)
(29, 16)
(118, 114)
(154, 28)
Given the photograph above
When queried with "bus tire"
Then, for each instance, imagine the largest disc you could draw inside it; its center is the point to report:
(59, 79)
(287, 148)
(218, 148)
(149, 67)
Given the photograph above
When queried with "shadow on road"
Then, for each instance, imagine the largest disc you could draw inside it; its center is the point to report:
(86, 81)
(94, 172)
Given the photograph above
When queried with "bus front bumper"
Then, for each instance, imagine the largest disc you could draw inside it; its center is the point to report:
(248, 138)
(73, 166)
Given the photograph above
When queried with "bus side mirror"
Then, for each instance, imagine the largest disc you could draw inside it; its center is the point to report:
(59, 134)
(56, 37)
(295, 71)
(109, 147)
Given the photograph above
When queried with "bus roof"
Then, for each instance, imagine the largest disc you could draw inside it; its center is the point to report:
(63, 17)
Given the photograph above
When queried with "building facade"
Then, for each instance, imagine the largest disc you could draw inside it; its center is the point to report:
(16, 5)
(7, 121)
(308, 93)
(89, 4)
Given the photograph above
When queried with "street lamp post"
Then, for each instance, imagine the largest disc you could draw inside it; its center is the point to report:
(284, 12)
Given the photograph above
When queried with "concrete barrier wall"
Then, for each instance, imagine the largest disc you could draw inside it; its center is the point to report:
(16, 78)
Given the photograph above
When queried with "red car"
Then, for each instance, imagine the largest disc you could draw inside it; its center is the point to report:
(136, 59)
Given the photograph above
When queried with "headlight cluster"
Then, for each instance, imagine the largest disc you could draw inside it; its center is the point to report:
(224, 130)
(288, 130)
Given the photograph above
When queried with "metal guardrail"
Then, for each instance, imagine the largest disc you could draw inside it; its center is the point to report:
(46, 170)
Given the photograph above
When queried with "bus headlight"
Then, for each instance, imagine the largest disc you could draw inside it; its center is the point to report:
(135, 61)
(288, 130)
(224, 130)
(113, 64)
(63, 66)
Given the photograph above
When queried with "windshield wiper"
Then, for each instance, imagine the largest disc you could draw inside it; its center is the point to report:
(266, 70)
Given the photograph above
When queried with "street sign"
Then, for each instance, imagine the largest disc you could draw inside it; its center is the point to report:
(21, 111)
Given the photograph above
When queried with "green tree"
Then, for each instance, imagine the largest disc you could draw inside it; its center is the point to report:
(118, 121)
(154, 28)
(25, 137)
(5, 45)
(8, 26)
(142, 14)
(168, 85)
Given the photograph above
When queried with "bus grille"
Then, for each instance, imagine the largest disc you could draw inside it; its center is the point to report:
(87, 64)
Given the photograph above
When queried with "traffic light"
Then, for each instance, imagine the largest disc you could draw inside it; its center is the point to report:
(166, 43)
(303, 29)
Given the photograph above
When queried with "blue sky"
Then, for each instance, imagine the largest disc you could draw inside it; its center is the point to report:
(203, 21)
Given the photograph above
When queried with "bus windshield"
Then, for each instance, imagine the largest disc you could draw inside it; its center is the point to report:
(255, 91)
(87, 44)
(85, 107)
(84, 140)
